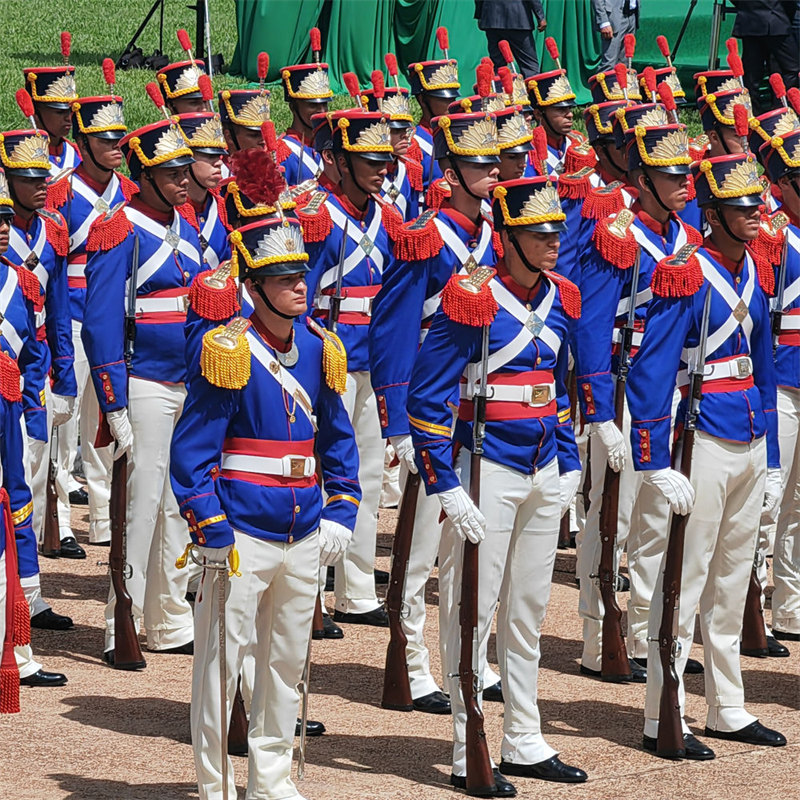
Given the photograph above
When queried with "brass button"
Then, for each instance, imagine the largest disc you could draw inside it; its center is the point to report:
(104, 375)
(185, 274)
(752, 414)
(528, 306)
(291, 539)
(738, 279)
(539, 360)
(297, 509)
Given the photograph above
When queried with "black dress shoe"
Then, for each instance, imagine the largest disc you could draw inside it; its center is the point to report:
(330, 630)
(108, 657)
(181, 650)
(638, 672)
(693, 749)
(754, 733)
(48, 620)
(776, 649)
(42, 678)
(71, 549)
(494, 693)
(786, 636)
(693, 666)
(553, 769)
(501, 788)
(377, 617)
(434, 703)
(381, 577)
(312, 728)
(79, 497)
(623, 583)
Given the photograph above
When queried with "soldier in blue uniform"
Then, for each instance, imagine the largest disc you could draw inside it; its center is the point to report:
(345, 236)
(736, 464)
(82, 195)
(530, 470)
(242, 113)
(307, 91)
(658, 168)
(248, 486)
(428, 252)
(149, 237)
(180, 82)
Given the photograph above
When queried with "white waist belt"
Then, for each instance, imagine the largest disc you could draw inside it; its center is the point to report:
(39, 318)
(361, 305)
(285, 467)
(539, 395)
(636, 339)
(151, 305)
(790, 322)
(76, 270)
(740, 368)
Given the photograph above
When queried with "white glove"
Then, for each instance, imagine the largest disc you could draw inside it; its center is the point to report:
(675, 486)
(772, 494)
(121, 430)
(63, 408)
(614, 442)
(333, 541)
(568, 487)
(213, 555)
(404, 448)
(464, 514)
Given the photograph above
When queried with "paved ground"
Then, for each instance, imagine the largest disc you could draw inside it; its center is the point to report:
(125, 736)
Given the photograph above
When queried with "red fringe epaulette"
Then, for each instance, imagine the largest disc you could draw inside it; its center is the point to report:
(576, 186)
(108, 231)
(497, 243)
(438, 192)
(677, 280)
(691, 192)
(28, 282)
(467, 306)
(282, 151)
(569, 293)
(9, 378)
(414, 151)
(414, 172)
(765, 272)
(129, 188)
(603, 201)
(579, 155)
(693, 236)
(222, 211)
(58, 192)
(768, 245)
(619, 250)
(189, 214)
(415, 240)
(56, 231)
(317, 223)
(698, 147)
(210, 301)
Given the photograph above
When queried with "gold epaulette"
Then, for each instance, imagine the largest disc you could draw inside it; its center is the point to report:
(334, 357)
(109, 230)
(56, 229)
(225, 357)
(678, 275)
(212, 294)
(614, 240)
(315, 218)
(415, 240)
(468, 299)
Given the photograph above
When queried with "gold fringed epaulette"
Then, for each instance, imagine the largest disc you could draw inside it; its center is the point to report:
(468, 299)
(9, 378)
(129, 188)
(56, 230)
(189, 214)
(414, 172)
(615, 241)
(438, 192)
(569, 293)
(28, 282)
(577, 185)
(212, 294)
(603, 201)
(768, 245)
(334, 357)
(315, 218)
(282, 151)
(225, 357)
(418, 239)
(678, 275)
(58, 192)
(109, 230)
(579, 154)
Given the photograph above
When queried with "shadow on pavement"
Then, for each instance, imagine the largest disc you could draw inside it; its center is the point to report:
(79, 787)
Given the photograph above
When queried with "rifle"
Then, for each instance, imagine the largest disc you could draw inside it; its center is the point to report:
(396, 686)
(51, 538)
(670, 731)
(564, 532)
(614, 659)
(480, 778)
(127, 652)
(336, 299)
(754, 634)
(779, 221)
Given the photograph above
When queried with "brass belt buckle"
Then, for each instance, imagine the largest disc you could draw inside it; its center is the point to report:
(297, 467)
(540, 395)
(744, 368)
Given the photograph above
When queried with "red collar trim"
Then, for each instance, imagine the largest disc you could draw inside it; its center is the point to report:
(522, 293)
(275, 342)
(57, 149)
(96, 187)
(297, 135)
(557, 144)
(460, 219)
(164, 217)
(351, 209)
(24, 224)
(734, 267)
(327, 184)
(658, 228)
(200, 208)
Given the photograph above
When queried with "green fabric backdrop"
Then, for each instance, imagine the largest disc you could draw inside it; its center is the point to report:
(357, 33)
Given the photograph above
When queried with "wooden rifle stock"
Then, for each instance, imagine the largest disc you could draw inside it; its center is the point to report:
(614, 667)
(239, 725)
(396, 686)
(754, 634)
(564, 533)
(51, 538)
(319, 622)
(127, 652)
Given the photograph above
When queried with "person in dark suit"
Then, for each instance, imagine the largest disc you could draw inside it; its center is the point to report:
(614, 19)
(769, 43)
(514, 21)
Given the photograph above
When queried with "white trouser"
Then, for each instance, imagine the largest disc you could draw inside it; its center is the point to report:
(268, 615)
(355, 577)
(26, 663)
(390, 483)
(783, 540)
(97, 463)
(157, 534)
(515, 569)
(642, 519)
(720, 540)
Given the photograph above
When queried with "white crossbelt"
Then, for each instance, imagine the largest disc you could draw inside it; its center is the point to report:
(207, 230)
(70, 161)
(356, 304)
(636, 338)
(285, 467)
(459, 249)
(424, 145)
(151, 305)
(21, 247)
(740, 368)
(304, 156)
(649, 246)
(358, 255)
(78, 238)
(7, 330)
(534, 395)
(643, 297)
(399, 199)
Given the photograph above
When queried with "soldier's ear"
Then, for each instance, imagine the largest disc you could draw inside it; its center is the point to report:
(449, 174)
(711, 217)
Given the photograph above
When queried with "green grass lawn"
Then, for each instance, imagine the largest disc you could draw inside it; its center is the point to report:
(102, 28)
